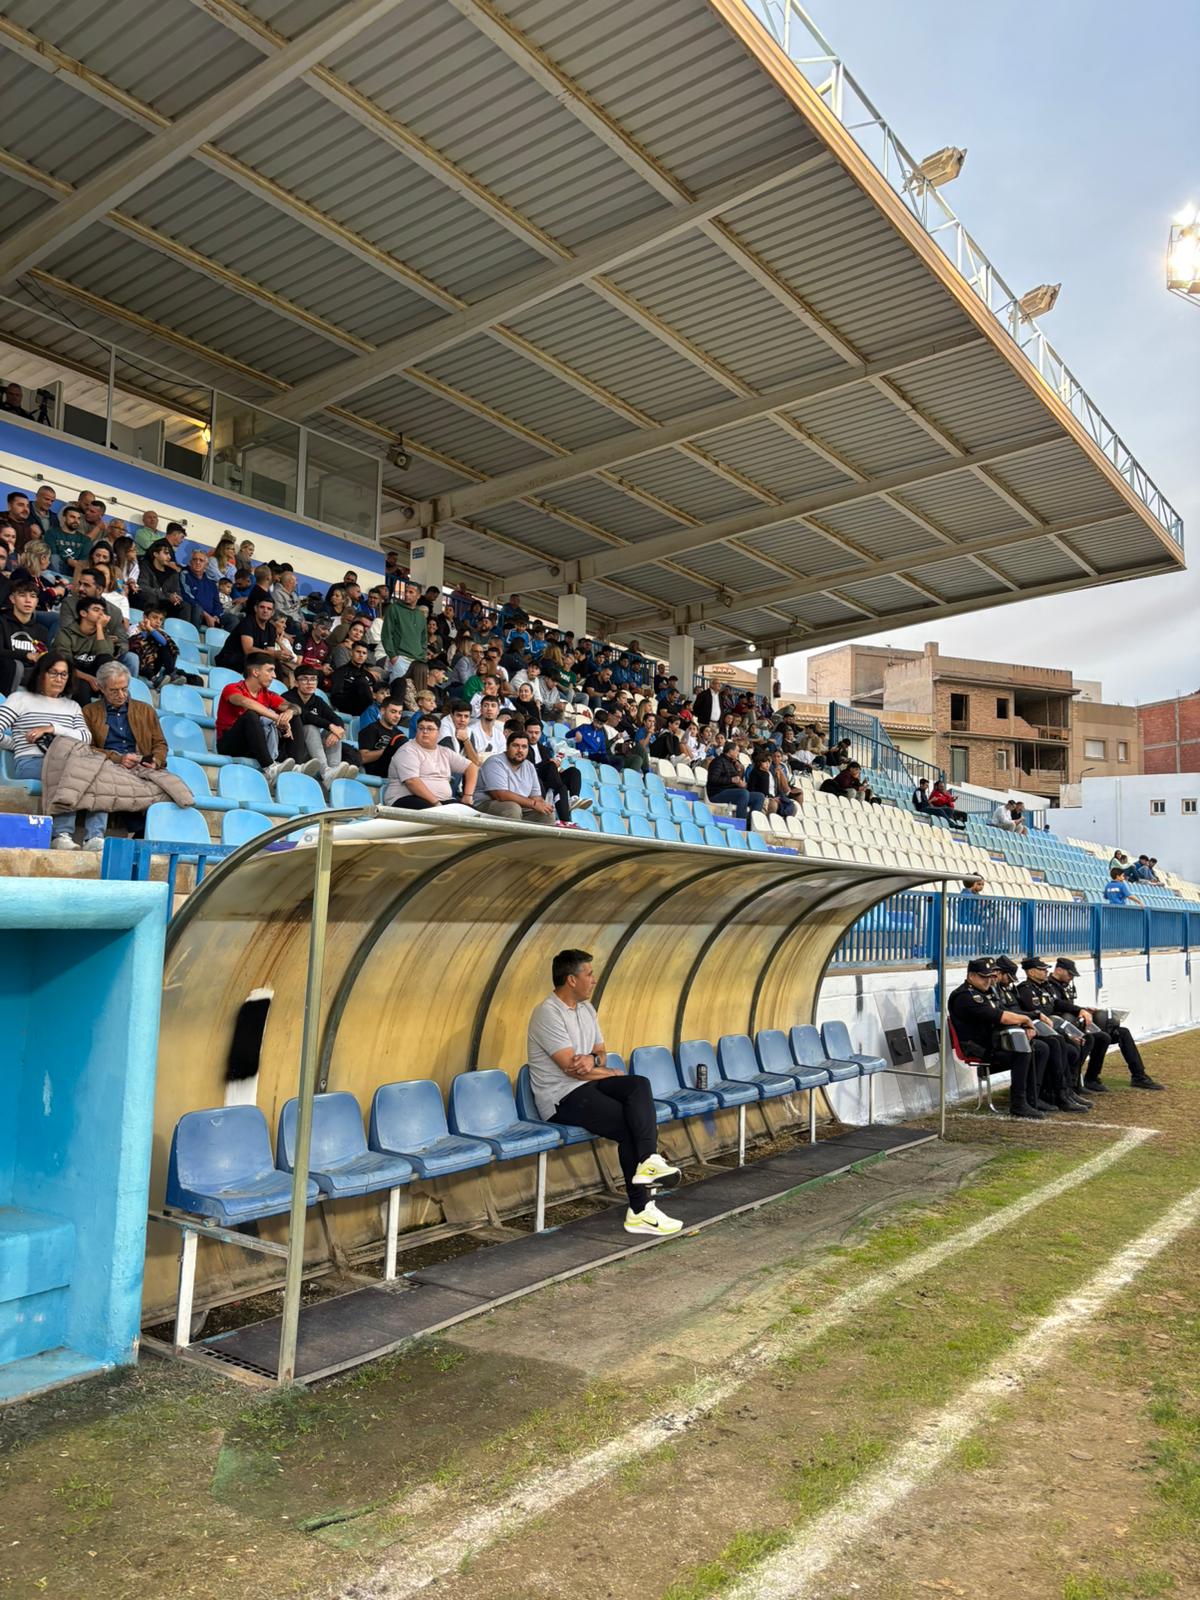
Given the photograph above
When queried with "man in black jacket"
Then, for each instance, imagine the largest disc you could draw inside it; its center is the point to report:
(979, 1020)
(724, 785)
(22, 640)
(316, 732)
(1054, 1087)
(1037, 996)
(1108, 1032)
(352, 687)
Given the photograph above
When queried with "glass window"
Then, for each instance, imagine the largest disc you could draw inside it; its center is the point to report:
(1188, 807)
(255, 454)
(1002, 758)
(1158, 808)
(1095, 749)
(959, 763)
(341, 486)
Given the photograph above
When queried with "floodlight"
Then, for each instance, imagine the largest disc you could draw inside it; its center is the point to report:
(1183, 258)
(1038, 301)
(943, 166)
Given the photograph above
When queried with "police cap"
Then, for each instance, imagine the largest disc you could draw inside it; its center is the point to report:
(1067, 965)
(981, 967)
(1030, 962)
(1007, 965)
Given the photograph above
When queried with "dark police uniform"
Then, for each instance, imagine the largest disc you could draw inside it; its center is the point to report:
(976, 1014)
(1039, 998)
(1114, 1033)
(1046, 1086)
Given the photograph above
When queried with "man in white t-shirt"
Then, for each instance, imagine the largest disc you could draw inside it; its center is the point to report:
(486, 735)
(509, 786)
(420, 771)
(573, 1084)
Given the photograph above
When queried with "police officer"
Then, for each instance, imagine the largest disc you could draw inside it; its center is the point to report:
(1108, 1032)
(1056, 1088)
(979, 1018)
(1041, 999)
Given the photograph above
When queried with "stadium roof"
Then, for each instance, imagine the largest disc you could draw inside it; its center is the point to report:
(650, 319)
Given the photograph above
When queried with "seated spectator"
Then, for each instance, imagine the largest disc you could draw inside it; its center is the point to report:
(244, 556)
(846, 784)
(1154, 877)
(1117, 891)
(1141, 871)
(93, 518)
(941, 802)
(158, 581)
(69, 547)
(666, 745)
(561, 785)
(8, 547)
(352, 686)
(837, 756)
(758, 781)
(203, 600)
(125, 566)
(316, 650)
(920, 796)
(254, 721)
(23, 641)
(156, 651)
(725, 785)
(147, 533)
(30, 719)
(221, 563)
(486, 735)
(254, 635)
(1120, 860)
(124, 730)
(87, 643)
(491, 689)
(42, 520)
(787, 799)
(379, 740)
(420, 772)
(509, 786)
(426, 706)
(317, 733)
(287, 601)
(591, 740)
(1007, 815)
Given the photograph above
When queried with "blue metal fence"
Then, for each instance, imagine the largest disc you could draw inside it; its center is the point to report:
(902, 931)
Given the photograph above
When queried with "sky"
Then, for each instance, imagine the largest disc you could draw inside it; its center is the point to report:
(1082, 130)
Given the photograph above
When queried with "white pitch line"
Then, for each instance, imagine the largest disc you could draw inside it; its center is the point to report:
(810, 1551)
(411, 1571)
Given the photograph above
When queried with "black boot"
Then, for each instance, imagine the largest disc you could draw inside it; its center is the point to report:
(1018, 1105)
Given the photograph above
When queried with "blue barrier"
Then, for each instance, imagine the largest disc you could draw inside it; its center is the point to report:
(129, 860)
(902, 931)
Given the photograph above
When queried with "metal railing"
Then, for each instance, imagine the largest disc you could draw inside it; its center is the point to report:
(791, 27)
(902, 931)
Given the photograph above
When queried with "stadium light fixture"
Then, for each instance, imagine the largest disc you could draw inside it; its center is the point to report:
(1038, 301)
(1183, 255)
(943, 166)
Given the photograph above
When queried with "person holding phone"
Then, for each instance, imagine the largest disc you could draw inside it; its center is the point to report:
(123, 730)
(30, 720)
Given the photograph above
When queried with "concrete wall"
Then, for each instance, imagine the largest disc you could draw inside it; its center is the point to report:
(1114, 725)
(1116, 811)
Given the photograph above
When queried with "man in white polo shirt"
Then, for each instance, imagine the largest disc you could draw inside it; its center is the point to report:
(509, 786)
(420, 771)
(573, 1084)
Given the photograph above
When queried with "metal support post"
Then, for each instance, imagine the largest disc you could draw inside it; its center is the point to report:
(539, 1210)
(741, 1110)
(812, 1116)
(870, 1098)
(112, 389)
(943, 1027)
(188, 1244)
(309, 1063)
(393, 1229)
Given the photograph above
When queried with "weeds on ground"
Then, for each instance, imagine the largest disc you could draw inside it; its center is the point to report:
(742, 1553)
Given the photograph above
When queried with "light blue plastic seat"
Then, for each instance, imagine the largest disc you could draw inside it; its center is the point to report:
(301, 791)
(659, 808)
(810, 1055)
(689, 833)
(528, 1112)
(182, 700)
(693, 1053)
(184, 738)
(632, 781)
(635, 803)
(585, 821)
(702, 816)
(220, 1166)
(681, 809)
(345, 793)
(220, 678)
(839, 1045)
(667, 832)
(215, 639)
(409, 1119)
(171, 824)
(775, 1054)
(611, 822)
(611, 800)
(339, 1160)
(754, 841)
(715, 837)
(656, 1063)
(239, 827)
(655, 787)
(641, 828)
(140, 691)
(194, 775)
(182, 632)
(738, 1062)
(248, 786)
(609, 777)
(482, 1107)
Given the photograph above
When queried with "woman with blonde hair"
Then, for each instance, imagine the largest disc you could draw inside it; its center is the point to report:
(221, 560)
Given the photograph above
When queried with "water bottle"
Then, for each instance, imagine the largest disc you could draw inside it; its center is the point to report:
(702, 1075)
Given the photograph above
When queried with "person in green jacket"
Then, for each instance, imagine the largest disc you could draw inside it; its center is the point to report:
(404, 637)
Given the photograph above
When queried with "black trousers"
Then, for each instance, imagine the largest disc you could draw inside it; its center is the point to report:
(621, 1109)
(248, 737)
(560, 787)
(1124, 1042)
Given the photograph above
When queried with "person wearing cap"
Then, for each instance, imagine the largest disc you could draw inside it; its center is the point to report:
(1062, 980)
(1040, 999)
(979, 1017)
(1056, 1084)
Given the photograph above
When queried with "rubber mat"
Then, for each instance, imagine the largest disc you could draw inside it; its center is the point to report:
(499, 1271)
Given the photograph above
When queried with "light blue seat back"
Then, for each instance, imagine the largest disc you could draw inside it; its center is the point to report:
(655, 786)
(694, 1053)
(216, 1150)
(482, 1103)
(586, 821)
(406, 1115)
(635, 803)
(191, 773)
(690, 833)
(774, 1052)
(701, 815)
(172, 824)
(755, 841)
(183, 736)
(609, 777)
(182, 700)
(659, 807)
(806, 1046)
(337, 1131)
(246, 784)
(632, 781)
(610, 800)
(610, 822)
(642, 828)
(667, 832)
(215, 639)
(183, 632)
(838, 1044)
(299, 790)
(655, 1062)
(349, 792)
(140, 691)
(736, 1056)
(716, 837)
(220, 678)
(239, 827)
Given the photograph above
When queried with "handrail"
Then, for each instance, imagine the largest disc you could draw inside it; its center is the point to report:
(791, 27)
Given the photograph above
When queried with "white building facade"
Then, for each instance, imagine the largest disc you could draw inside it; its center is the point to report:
(1157, 814)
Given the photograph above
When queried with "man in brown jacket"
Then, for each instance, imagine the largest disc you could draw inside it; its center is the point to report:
(124, 730)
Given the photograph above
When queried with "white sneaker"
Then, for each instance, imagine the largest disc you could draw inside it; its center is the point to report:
(654, 1170)
(311, 769)
(63, 841)
(94, 845)
(651, 1220)
(272, 772)
(580, 802)
(344, 769)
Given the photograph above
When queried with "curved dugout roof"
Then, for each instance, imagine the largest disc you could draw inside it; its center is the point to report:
(648, 319)
(439, 945)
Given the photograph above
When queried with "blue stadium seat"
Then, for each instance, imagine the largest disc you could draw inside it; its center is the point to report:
(184, 738)
(215, 639)
(635, 803)
(641, 828)
(611, 822)
(196, 778)
(701, 815)
(528, 1112)
(609, 777)
(656, 1063)
(655, 786)
(667, 832)
(809, 1056)
(346, 793)
(738, 1062)
(840, 1047)
(181, 700)
(248, 786)
(754, 841)
(729, 1092)
(482, 1107)
(775, 1054)
(140, 691)
(220, 1166)
(715, 837)
(339, 1160)
(239, 827)
(689, 833)
(586, 821)
(409, 1119)
(182, 632)
(659, 808)
(172, 824)
(299, 790)
(681, 810)
(611, 800)
(220, 678)
(632, 781)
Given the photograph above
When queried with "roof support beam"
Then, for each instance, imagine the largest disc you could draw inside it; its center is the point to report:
(640, 442)
(47, 234)
(901, 565)
(676, 544)
(625, 244)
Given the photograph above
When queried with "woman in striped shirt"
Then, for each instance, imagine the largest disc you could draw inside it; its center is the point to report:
(46, 708)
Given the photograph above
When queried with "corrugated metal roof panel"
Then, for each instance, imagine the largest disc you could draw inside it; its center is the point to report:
(864, 428)
(800, 546)
(1041, 561)
(961, 505)
(319, 153)
(608, 508)
(884, 594)
(1110, 546)
(662, 583)
(547, 536)
(772, 454)
(754, 624)
(1056, 482)
(877, 527)
(50, 125)
(598, 341)
(730, 568)
(974, 396)
(687, 484)
(694, 287)
(497, 375)
(20, 203)
(822, 611)
(959, 579)
(476, 443)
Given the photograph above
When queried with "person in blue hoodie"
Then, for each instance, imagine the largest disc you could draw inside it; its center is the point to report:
(200, 591)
